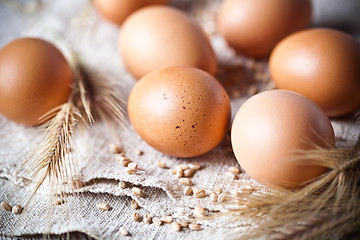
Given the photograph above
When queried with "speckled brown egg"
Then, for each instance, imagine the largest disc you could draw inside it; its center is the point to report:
(269, 131)
(34, 78)
(254, 27)
(117, 11)
(323, 65)
(180, 111)
(158, 37)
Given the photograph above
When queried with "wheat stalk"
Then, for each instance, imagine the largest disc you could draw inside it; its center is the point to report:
(328, 206)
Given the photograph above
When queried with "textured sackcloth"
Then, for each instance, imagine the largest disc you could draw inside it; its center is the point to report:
(76, 24)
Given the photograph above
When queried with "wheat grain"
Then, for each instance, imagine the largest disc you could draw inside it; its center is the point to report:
(161, 164)
(147, 218)
(122, 184)
(123, 232)
(104, 206)
(115, 149)
(166, 219)
(195, 166)
(189, 173)
(195, 227)
(132, 166)
(234, 170)
(157, 221)
(16, 209)
(137, 191)
(187, 191)
(185, 181)
(175, 226)
(135, 216)
(134, 204)
(6, 206)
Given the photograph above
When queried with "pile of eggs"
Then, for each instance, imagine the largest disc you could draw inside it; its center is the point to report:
(180, 109)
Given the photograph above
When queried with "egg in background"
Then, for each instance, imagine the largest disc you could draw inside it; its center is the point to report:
(322, 64)
(158, 37)
(116, 11)
(254, 27)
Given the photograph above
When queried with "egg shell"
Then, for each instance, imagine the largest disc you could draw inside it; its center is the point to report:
(254, 27)
(158, 37)
(117, 11)
(34, 78)
(323, 65)
(271, 128)
(180, 111)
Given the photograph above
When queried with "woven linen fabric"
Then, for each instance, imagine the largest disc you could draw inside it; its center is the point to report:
(76, 25)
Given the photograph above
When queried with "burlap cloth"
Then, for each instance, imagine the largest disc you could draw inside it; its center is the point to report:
(76, 24)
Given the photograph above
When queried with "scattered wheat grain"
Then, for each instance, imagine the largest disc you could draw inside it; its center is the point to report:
(59, 201)
(200, 194)
(213, 197)
(166, 219)
(157, 221)
(195, 166)
(176, 226)
(194, 227)
(187, 191)
(185, 181)
(182, 167)
(222, 197)
(189, 172)
(138, 152)
(147, 219)
(122, 184)
(6, 206)
(132, 166)
(16, 209)
(182, 222)
(200, 210)
(234, 170)
(137, 191)
(104, 206)
(116, 149)
(134, 204)
(135, 216)
(231, 175)
(123, 231)
(161, 164)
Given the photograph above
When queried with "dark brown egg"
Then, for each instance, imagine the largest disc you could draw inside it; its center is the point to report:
(34, 78)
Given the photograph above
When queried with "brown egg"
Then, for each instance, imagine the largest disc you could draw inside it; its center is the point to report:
(180, 111)
(34, 79)
(117, 11)
(271, 128)
(254, 27)
(158, 37)
(323, 65)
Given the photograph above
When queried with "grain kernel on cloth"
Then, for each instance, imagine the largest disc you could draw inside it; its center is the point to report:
(161, 164)
(16, 209)
(189, 173)
(185, 181)
(135, 216)
(200, 194)
(134, 204)
(176, 226)
(200, 210)
(187, 191)
(195, 227)
(157, 221)
(104, 206)
(137, 191)
(182, 222)
(166, 219)
(6, 206)
(115, 149)
(122, 184)
(231, 175)
(213, 197)
(132, 166)
(182, 167)
(123, 232)
(195, 166)
(147, 218)
(234, 170)
(138, 152)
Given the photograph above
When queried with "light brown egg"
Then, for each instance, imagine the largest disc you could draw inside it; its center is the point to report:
(323, 65)
(254, 27)
(34, 78)
(157, 37)
(180, 111)
(117, 11)
(271, 128)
